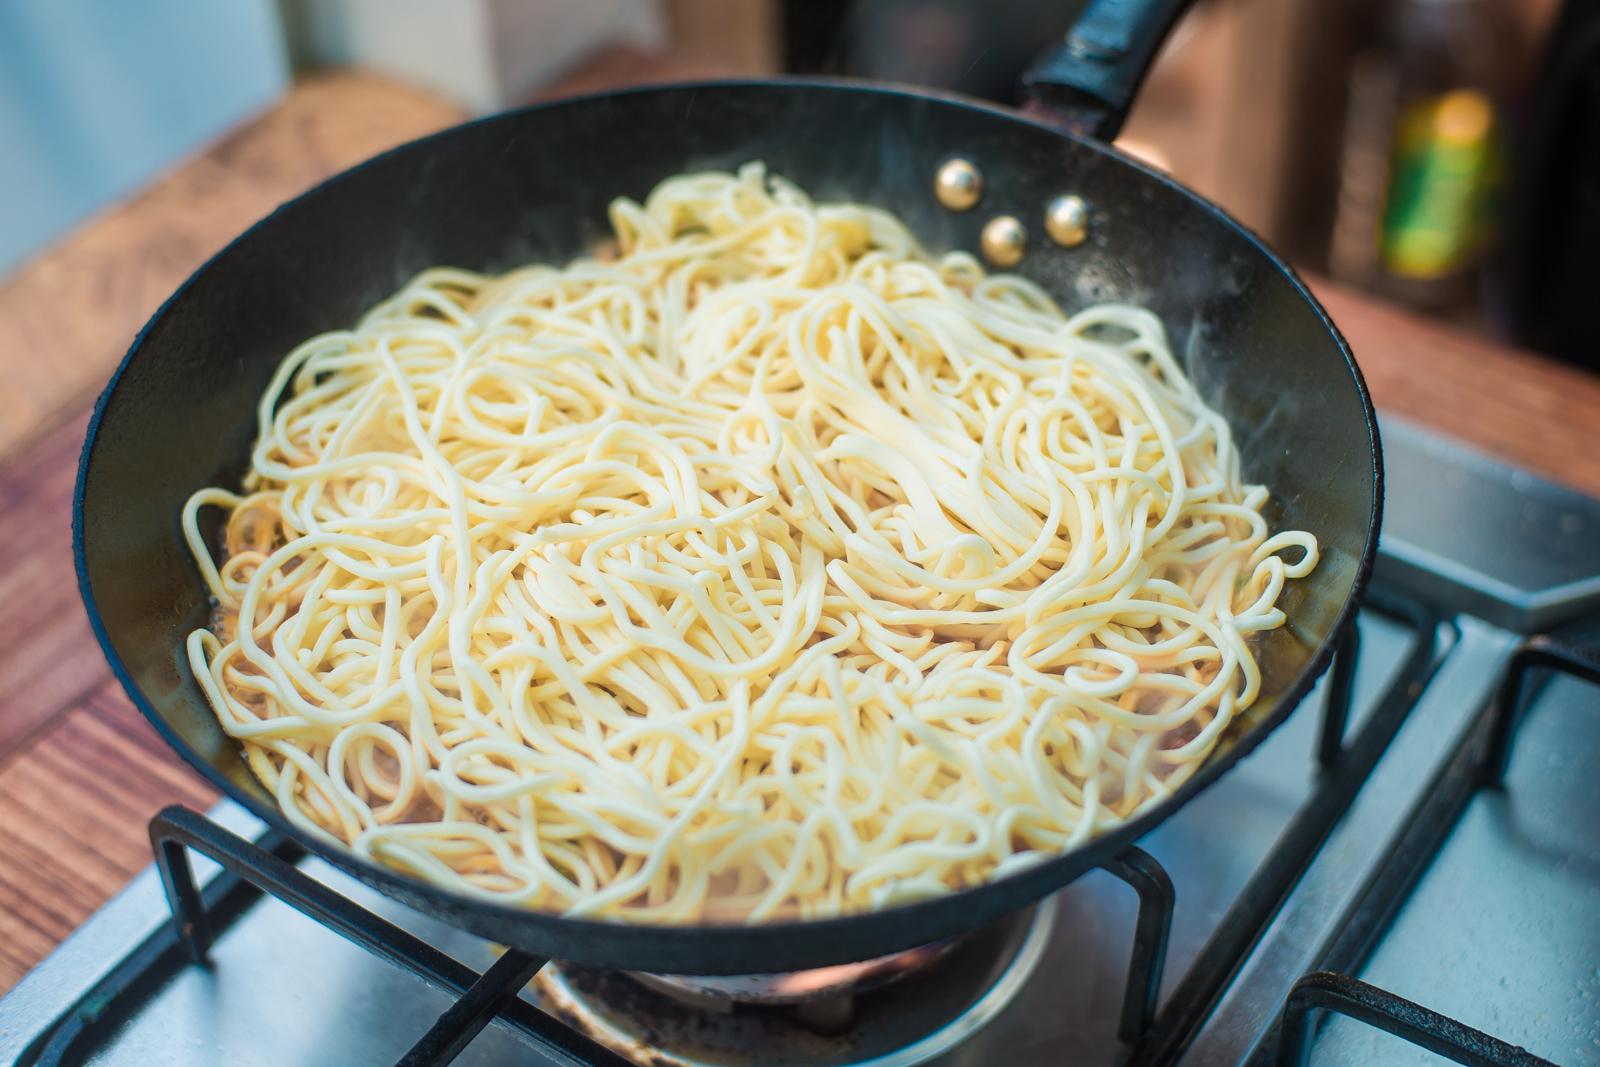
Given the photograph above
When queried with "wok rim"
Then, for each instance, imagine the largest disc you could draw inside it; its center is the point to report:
(948, 914)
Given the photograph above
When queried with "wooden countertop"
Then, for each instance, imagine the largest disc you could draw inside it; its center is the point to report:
(81, 773)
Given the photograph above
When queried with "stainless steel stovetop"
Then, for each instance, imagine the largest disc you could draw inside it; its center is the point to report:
(1387, 861)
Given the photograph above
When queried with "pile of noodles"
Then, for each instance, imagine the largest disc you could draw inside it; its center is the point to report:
(768, 567)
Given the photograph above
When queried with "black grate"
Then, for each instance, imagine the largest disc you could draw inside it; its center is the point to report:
(1421, 1026)
(1342, 766)
(268, 866)
(493, 993)
(1479, 763)
(482, 997)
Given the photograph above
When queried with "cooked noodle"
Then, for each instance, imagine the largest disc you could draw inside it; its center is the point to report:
(768, 568)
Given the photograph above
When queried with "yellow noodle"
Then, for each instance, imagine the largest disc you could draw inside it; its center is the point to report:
(768, 568)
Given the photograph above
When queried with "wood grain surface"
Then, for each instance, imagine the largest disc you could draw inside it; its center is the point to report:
(73, 809)
(81, 773)
(1529, 411)
(67, 317)
(48, 658)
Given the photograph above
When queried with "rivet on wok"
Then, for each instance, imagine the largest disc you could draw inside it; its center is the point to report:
(1066, 220)
(958, 185)
(1003, 241)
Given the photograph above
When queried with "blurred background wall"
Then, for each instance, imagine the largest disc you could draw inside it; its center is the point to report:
(1401, 146)
(97, 97)
(482, 54)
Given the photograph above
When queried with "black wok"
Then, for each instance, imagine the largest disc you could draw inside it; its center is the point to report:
(532, 185)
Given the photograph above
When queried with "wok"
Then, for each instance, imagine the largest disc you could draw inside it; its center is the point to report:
(533, 185)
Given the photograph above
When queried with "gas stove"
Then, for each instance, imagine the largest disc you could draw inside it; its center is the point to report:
(1409, 866)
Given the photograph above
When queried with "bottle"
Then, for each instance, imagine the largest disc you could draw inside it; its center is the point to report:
(1423, 157)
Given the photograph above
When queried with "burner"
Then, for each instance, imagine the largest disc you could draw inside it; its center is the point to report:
(672, 1021)
(843, 981)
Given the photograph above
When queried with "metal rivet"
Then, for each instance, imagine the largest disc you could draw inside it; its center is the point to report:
(1003, 241)
(1066, 220)
(958, 185)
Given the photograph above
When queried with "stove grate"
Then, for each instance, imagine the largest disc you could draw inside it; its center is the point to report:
(1342, 766)
(1439, 1034)
(268, 866)
(1480, 762)
(495, 992)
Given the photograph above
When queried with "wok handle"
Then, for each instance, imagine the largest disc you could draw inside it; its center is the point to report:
(1087, 82)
